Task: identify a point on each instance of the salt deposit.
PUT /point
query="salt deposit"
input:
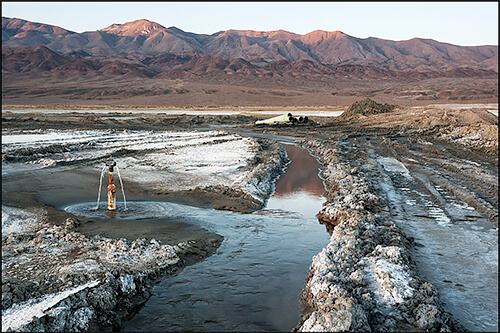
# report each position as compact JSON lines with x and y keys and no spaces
{"x":15,"y":220}
{"x":42,"y":264}
{"x":393,"y":165}
{"x":159,"y":160}
{"x":21,"y":314}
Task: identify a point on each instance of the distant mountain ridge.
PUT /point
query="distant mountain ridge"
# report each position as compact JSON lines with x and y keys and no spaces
{"x":151,"y":49}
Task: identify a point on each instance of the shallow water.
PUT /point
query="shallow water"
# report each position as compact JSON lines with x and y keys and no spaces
{"x":253,"y":281}
{"x":135,"y":210}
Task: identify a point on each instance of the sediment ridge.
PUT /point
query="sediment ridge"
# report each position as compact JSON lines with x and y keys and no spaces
{"x":364,"y":280}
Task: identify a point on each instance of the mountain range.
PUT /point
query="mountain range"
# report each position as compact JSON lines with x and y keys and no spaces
{"x":147,"y":49}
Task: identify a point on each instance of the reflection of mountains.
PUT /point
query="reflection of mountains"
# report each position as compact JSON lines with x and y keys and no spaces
{"x":300,"y":175}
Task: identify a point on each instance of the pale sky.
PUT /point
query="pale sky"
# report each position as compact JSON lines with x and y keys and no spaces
{"x":459,"y":23}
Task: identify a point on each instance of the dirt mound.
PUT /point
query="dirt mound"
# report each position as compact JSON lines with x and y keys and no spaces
{"x":366,"y":107}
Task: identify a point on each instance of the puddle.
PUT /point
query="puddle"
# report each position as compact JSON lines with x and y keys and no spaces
{"x":136,"y":210}
{"x":254,"y":280}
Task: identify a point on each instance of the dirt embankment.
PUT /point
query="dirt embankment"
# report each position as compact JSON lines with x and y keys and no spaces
{"x":457,"y":149}
{"x":364,"y":279}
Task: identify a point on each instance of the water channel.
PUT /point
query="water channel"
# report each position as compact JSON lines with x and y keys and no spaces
{"x":253,"y":281}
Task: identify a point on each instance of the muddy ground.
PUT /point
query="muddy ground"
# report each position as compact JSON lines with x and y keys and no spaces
{"x":452,"y":154}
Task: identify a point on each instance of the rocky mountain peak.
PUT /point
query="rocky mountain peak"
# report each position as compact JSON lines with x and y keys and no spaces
{"x":14,"y":26}
{"x":321,"y":35}
{"x":134,"y":28}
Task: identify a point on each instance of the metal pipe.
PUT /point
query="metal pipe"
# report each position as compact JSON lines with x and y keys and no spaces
{"x":111,"y":187}
{"x":111,"y":193}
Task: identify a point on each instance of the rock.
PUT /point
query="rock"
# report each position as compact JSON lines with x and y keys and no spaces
{"x":80,"y":319}
{"x":71,"y":223}
{"x":427,"y":316}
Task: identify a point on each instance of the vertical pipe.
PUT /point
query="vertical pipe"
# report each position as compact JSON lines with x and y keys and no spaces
{"x":111,"y":192}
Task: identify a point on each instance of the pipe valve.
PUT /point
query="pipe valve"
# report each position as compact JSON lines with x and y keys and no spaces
{"x":110,"y":164}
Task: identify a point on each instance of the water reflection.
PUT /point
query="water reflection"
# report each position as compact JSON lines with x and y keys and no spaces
{"x":299,"y":189}
{"x":301,"y":175}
